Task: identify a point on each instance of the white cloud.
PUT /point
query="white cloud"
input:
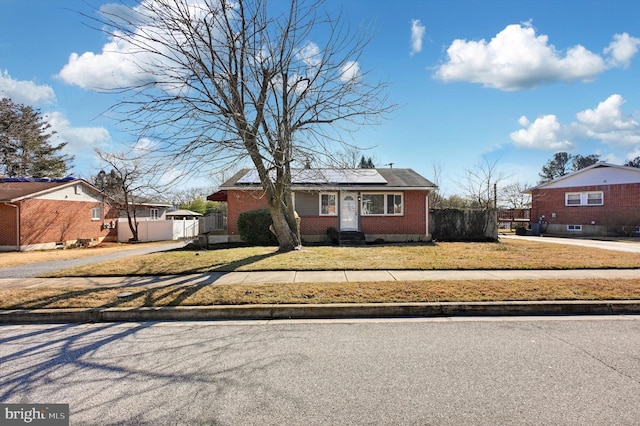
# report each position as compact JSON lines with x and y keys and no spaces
{"x":24,"y":91}
{"x":350,"y":71}
{"x":609,"y":124}
{"x":125,"y":61}
{"x":417,"y":35}
{"x":517,"y":58}
{"x":545,"y":132}
{"x":632,"y":155}
{"x":116,"y":67}
{"x":80,"y":140}
{"x":144,"y":145}
{"x":310,"y":54}
{"x":606,"y":123}
{"x":622,"y":49}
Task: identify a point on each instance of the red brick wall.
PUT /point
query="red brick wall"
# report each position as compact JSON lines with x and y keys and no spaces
{"x":620,"y":203}
{"x":239,"y":202}
{"x":8,"y":230}
{"x":413,"y":221}
{"x":48,"y":221}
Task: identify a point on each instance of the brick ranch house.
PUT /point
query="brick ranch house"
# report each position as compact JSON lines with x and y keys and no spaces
{"x":602,"y":199}
{"x":37,"y":214}
{"x":387,"y":204}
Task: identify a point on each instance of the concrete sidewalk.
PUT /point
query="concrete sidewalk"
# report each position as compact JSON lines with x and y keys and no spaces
{"x":229,"y":278}
{"x":315,"y":311}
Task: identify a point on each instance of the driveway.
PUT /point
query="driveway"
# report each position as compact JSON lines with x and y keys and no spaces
{"x":36,"y":269}
{"x":627,"y":246}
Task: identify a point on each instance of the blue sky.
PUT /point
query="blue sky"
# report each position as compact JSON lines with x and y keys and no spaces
{"x":506,"y":81}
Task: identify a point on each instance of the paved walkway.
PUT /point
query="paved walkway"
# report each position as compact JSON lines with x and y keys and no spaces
{"x":41,"y":268}
{"x":632,"y":246}
{"x":227,"y":278}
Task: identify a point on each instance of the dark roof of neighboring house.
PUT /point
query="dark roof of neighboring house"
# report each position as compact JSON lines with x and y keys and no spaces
{"x":15,"y":189}
{"x":373,"y":179}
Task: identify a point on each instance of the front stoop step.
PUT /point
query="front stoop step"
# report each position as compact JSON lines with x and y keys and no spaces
{"x":352,"y":238}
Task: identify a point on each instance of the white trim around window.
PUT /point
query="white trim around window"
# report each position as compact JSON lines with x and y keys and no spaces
{"x":96,"y":213}
{"x":382,"y":203}
{"x":574,"y":228}
{"x":328,"y":203}
{"x":154,"y":214}
{"x":591,"y":198}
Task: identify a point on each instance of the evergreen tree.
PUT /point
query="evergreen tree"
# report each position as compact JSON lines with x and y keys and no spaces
{"x":562,"y":164}
{"x":580,"y":162}
{"x":556,"y":167}
{"x":633,"y":163}
{"x":25,"y":147}
{"x":367,"y":163}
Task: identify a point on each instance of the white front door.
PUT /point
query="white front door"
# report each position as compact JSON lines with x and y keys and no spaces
{"x":348,"y":211}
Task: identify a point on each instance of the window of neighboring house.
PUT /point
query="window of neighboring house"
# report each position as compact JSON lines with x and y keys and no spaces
{"x":328,"y":203}
{"x":96,"y":213}
{"x":382,"y":204}
{"x":153,"y":214}
{"x":574,"y":227}
{"x":594,"y":198}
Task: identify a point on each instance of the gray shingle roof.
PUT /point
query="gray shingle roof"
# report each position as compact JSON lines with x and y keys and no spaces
{"x":343,"y":178}
{"x":11,"y":191}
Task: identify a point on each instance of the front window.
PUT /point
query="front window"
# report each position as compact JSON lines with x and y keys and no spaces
{"x":382,"y":204}
{"x":328,"y":204}
{"x":153,"y":214}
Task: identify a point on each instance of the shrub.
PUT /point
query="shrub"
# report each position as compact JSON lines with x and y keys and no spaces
{"x":254,"y":228}
{"x":333,"y":235}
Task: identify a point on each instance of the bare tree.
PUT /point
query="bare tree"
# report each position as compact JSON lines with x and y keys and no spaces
{"x":128,"y":182}
{"x":276,"y":83}
{"x":480,"y":183}
{"x":513,"y":195}
{"x":436,"y":199}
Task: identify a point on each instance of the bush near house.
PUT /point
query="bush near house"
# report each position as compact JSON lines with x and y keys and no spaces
{"x":253,"y":227}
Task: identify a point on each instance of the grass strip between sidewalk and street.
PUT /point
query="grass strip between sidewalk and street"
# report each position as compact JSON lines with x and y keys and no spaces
{"x":355,"y":292}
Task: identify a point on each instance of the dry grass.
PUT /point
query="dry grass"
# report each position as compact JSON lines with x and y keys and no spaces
{"x":362,"y":292}
{"x":510,"y":254}
{"x":9,"y":259}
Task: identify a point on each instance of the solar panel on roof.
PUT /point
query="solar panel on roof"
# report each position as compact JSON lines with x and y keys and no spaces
{"x":250,"y":177}
{"x":322,"y":176}
{"x":353,"y":176}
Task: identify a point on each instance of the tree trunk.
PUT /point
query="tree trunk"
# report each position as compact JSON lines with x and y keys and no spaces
{"x":133,"y":226}
{"x":288,"y":236}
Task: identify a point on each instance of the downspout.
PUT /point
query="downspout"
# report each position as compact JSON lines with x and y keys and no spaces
{"x":17,"y":223}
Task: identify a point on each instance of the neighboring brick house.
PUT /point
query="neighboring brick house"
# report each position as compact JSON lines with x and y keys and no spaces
{"x":602,"y":199}
{"x":38,"y":214}
{"x":387,"y":204}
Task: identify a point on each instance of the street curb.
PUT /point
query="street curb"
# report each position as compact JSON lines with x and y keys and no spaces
{"x":321,"y":311}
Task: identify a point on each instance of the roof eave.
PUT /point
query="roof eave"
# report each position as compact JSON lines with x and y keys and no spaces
{"x":336,"y":188}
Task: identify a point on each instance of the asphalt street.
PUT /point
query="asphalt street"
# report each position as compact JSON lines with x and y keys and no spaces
{"x":446,"y":371}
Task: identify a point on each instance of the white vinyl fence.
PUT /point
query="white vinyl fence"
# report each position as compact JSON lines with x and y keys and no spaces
{"x":159,"y":230}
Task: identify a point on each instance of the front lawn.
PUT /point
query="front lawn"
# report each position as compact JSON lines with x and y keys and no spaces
{"x":510,"y":254}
